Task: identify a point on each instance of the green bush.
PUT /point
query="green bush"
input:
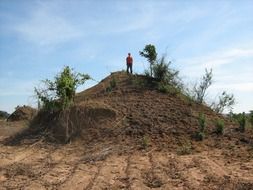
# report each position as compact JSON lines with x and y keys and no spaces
{"x":200,"y":135}
{"x":219,"y":127}
{"x":112,"y":85}
{"x":163,"y":73}
{"x":59,"y":93}
{"x":242,"y":122}
{"x":202,"y":122}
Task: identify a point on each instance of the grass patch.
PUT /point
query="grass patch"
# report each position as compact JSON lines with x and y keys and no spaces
{"x":200,"y":134}
{"x":112,"y":85}
{"x":185,"y":149}
{"x":219,"y":127}
{"x":145,"y":141}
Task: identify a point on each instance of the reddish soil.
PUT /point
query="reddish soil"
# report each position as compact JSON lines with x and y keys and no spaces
{"x":128,"y":136}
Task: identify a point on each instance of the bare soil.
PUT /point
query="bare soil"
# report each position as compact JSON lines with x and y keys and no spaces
{"x":139,"y":139}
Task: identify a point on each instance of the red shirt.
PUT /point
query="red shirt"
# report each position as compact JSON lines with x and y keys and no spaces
{"x":129,"y":60}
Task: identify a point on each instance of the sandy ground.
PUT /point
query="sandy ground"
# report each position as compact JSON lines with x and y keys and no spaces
{"x":40,"y":165}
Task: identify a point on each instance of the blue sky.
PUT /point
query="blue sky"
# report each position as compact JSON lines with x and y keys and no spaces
{"x":39,"y":37}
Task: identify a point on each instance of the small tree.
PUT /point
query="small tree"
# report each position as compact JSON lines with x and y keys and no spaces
{"x":200,"y":135}
{"x":149,"y":52}
{"x":205,"y":83}
{"x":202,"y":122}
{"x":59,"y":94}
{"x":226,"y":101}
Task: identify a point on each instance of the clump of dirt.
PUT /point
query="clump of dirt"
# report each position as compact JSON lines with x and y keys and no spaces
{"x":22,"y":113}
{"x":84,"y":120}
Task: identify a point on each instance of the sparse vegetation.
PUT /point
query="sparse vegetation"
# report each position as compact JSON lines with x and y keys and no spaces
{"x":139,"y":81}
{"x":241,"y":118}
{"x":200,"y":135}
{"x":251,"y":118}
{"x":161,"y":71}
{"x":112,"y":85}
{"x":145,"y":142}
{"x":164,"y":74}
{"x":226,"y":101}
{"x":185,"y":149}
{"x":166,"y":80}
{"x":219,"y":127}
{"x":147,"y":73}
{"x":189,"y":99}
{"x":202,"y":122}
{"x":199,"y":91}
{"x":163,"y":88}
{"x":201,"y":88}
{"x":59,"y":93}
{"x":113,"y":82}
{"x":168,"y":89}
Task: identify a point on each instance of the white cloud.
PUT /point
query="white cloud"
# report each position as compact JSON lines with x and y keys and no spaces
{"x":46,"y":28}
{"x":18,"y":87}
{"x":242,"y":87}
{"x":214,"y":60}
{"x":226,"y":57}
{"x":230,"y":76}
{"x":127,"y":17}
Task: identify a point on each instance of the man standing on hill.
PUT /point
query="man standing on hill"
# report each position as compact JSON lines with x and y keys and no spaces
{"x":129,"y":62}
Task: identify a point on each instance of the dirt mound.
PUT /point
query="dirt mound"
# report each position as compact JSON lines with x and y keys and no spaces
{"x":132,"y":137}
{"x":165,"y":119}
{"x":129,"y":109}
{"x":22,"y":113}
